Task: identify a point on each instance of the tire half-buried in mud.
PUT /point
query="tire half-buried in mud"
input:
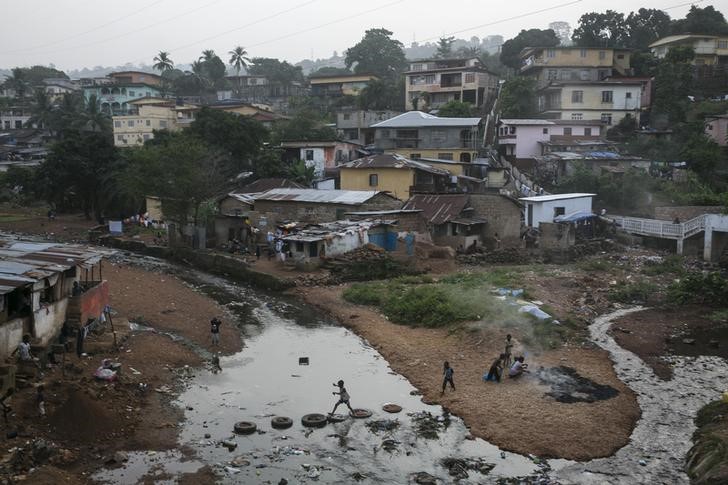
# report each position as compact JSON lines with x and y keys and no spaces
{"x":392,"y":408}
{"x":361,"y":413}
{"x":281,"y":422}
{"x":245,"y":427}
{"x":314,"y":420}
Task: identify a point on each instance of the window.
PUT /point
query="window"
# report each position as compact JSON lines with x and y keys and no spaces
{"x":602,"y":55}
{"x":620,"y":56}
{"x":699,"y":62}
{"x":603,"y":74}
{"x":117,"y":124}
{"x":551,"y":53}
{"x":373,"y":180}
{"x":587,"y":131}
{"x":567,"y":131}
{"x":119,"y":137}
{"x":582,"y":53}
{"x":469,"y":77}
{"x":347,"y":116}
{"x":444,"y":156}
{"x":415,"y":156}
{"x":721,"y":44}
{"x":545,"y":131}
{"x":607,"y":96}
{"x":439,"y":136}
{"x":512,"y":130}
{"x":146,"y":136}
{"x":577,"y":116}
{"x":606,"y":118}
{"x":149,"y":122}
{"x":710,"y":127}
{"x":132,"y":93}
{"x":577,"y":96}
{"x":130,"y":123}
{"x":385,"y":133}
{"x":162,"y":124}
{"x":552,"y":74}
{"x":584,"y":75}
{"x":417,"y":67}
{"x":559,"y":211}
{"x":149,"y":94}
{"x":309,"y":155}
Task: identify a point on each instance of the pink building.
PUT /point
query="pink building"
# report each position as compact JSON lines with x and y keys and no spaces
{"x":716,"y":127}
{"x":526,"y":138}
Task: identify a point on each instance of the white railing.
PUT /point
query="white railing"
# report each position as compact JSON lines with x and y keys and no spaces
{"x":662,"y":229}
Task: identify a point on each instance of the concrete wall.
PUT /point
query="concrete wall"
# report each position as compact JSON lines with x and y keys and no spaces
{"x":556,"y":236}
{"x":440,"y":138}
{"x":503,"y":215}
{"x":527,"y":138}
{"x":717,"y":129}
{"x":544,"y":211}
{"x":91,"y":303}
{"x":279,"y":211}
{"x":229,"y":205}
{"x":716,"y":236}
{"x":48,"y":320}
{"x":11,"y":334}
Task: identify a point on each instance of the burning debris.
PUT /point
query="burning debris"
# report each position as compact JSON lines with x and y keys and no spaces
{"x":567,"y":386}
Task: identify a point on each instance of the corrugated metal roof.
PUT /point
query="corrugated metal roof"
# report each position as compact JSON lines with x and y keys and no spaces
{"x":441,"y":208}
{"x":549,"y":198}
{"x":350,"y":197}
{"x":389,"y":160}
{"x":418,"y":119}
{"x":266,"y":184}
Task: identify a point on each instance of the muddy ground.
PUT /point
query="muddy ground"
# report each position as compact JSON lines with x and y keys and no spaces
{"x":515,"y":415}
{"x":89,"y":420}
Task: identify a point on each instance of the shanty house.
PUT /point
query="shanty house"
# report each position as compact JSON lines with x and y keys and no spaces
{"x":393,"y":173}
{"x":35,"y":290}
{"x":547,"y":208}
{"x":451,"y":219}
{"x":317,"y":206}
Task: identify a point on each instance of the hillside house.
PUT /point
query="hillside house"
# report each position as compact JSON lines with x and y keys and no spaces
{"x":321,"y":155}
{"x":546,"y":208}
{"x":355,"y":125}
{"x":525,"y":138}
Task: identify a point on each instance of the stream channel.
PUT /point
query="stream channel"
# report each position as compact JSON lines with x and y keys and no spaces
{"x":265,"y":380}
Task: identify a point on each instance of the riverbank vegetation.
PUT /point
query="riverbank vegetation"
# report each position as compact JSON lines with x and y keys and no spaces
{"x":707,"y":460}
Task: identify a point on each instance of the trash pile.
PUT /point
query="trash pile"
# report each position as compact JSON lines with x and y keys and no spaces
{"x":530,"y":307}
{"x":383,"y":425}
{"x":505,"y":255}
{"x":428,"y":426}
{"x":458,"y":467}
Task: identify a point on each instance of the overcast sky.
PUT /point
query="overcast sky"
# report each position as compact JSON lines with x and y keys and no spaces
{"x":86,"y":33}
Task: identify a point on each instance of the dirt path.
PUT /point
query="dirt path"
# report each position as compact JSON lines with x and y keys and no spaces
{"x":515,"y":415}
{"x":663,"y":434}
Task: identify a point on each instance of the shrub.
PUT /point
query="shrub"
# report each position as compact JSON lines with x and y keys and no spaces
{"x":709,"y":289}
{"x":636,"y":292}
{"x":672,"y":264}
{"x":365,"y":294}
{"x":422,"y":305}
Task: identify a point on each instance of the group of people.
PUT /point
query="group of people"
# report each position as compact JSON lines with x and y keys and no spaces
{"x":277,"y":246}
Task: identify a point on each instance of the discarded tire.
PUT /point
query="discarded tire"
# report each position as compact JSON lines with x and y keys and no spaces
{"x":314,"y":420}
{"x":245,"y":427}
{"x":281,"y":422}
{"x":392,"y":408}
{"x":361,"y":413}
{"x":337,"y":418}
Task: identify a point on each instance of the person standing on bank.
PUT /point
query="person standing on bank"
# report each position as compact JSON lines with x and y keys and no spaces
{"x":447,"y":372}
{"x":215,"y":330}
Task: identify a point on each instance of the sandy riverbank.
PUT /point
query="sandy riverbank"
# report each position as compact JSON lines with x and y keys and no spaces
{"x":515,"y":415}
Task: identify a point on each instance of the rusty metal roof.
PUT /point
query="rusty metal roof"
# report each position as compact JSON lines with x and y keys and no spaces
{"x":391,"y":160}
{"x":349,"y":197}
{"x":441,"y":208}
{"x":264,"y":185}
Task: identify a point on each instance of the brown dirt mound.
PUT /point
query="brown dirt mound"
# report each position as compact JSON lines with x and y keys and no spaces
{"x":83,"y":417}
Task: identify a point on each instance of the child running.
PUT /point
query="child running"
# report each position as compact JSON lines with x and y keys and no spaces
{"x":343,"y":397}
{"x":447,"y":372}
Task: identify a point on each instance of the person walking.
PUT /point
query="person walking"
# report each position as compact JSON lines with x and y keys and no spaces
{"x":215,"y":330}
{"x":343,"y":397}
{"x":448,"y":373}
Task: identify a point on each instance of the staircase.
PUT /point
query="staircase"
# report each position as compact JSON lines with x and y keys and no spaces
{"x":662,"y":229}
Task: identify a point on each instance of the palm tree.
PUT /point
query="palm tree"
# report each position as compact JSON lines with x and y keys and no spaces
{"x":239,"y":60}
{"x":163,"y":62}
{"x":94,"y":118}
{"x":208,"y":55}
{"x":18,"y":81}
{"x":42,"y":110}
{"x":302,"y":173}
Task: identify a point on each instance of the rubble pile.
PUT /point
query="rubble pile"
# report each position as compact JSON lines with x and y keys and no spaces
{"x":505,"y":255}
{"x":368,"y":252}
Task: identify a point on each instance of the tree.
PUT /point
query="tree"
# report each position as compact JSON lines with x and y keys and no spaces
{"x":511,"y":49}
{"x":162,"y":62}
{"x":93,"y":118}
{"x":702,"y":153}
{"x":673,"y":83}
{"x":455,"y":109}
{"x":518,"y":99}
{"x":469,"y":52}
{"x":42,"y":113}
{"x":444,"y":47}
{"x":382,"y":94}
{"x":330,"y":71}
{"x":277,"y":72}
{"x":302,"y":173}
{"x":239,"y":59}
{"x":378,"y":54}
{"x":646,"y":26}
{"x":18,"y":81}
{"x":706,"y":20}
{"x":239,"y":137}
{"x":607,"y":29}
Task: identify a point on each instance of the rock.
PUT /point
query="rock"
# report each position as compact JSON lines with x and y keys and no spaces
{"x":643,"y":462}
{"x":120,"y":457}
{"x":424,"y":478}
{"x":208,"y":435}
{"x":239,"y":461}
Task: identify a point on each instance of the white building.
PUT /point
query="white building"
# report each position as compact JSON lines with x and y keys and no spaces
{"x":545,"y":208}
{"x":607,"y":101}
{"x":524,"y":138}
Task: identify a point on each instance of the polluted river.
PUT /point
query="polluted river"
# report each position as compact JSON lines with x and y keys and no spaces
{"x":293,"y":355}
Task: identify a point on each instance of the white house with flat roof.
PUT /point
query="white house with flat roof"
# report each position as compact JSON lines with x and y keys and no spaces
{"x":545,"y":208}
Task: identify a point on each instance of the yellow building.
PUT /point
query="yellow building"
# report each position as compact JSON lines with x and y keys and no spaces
{"x":585,"y":64}
{"x":394,"y":174}
{"x":709,"y":49}
{"x":151,"y":114}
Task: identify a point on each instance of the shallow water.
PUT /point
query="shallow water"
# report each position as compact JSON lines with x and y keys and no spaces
{"x":265,"y":379}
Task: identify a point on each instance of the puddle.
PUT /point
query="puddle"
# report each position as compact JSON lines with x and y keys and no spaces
{"x":568,"y":386}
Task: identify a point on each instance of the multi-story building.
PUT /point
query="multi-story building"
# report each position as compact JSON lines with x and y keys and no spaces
{"x":336,"y":86}
{"x":147,"y":115}
{"x":529,"y":138}
{"x":416,"y":135}
{"x":710,"y":50}
{"x":117,"y":91}
{"x":435,"y":82}
{"x":259,"y":89}
{"x":607,"y":101}
{"x":716,"y":127}
{"x":14,"y":117}
{"x":56,"y":89}
{"x":574,"y":64}
{"x":355,"y":125}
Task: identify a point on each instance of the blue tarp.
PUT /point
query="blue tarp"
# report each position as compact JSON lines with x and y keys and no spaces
{"x":575,"y":216}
